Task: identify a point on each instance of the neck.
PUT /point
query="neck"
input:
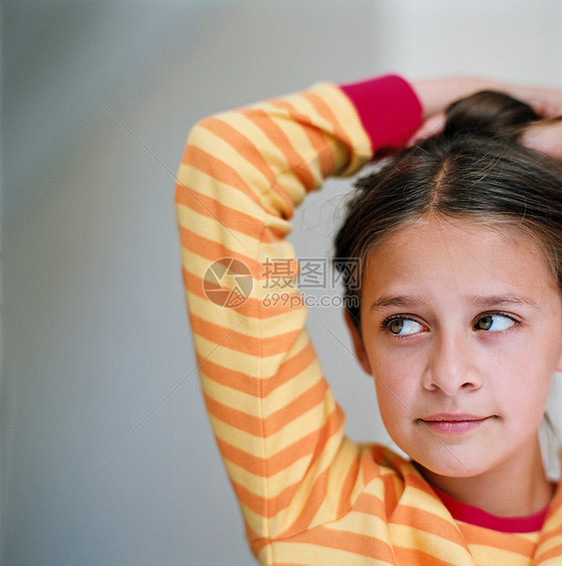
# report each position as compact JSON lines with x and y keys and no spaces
{"x":516,"y":488}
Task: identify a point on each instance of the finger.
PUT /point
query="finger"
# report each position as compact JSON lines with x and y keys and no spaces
{"x":431,"y":127}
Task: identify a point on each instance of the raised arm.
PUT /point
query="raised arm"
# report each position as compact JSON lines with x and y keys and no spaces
{"x":243,"y":172}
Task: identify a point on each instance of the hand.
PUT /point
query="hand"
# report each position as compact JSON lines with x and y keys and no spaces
{"x":437,"y":95}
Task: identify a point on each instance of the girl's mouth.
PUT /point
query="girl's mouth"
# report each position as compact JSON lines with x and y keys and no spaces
{"x":453,"y":423}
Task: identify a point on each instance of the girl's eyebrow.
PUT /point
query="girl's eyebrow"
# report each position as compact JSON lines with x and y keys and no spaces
{"x":501,"y":301}
{"x":479,"y":301}
{"x":396,"y":301}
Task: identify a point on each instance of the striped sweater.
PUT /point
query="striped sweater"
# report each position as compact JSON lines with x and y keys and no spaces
{"x":308,"y":494}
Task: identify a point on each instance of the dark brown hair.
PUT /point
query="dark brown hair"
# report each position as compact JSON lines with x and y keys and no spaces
{"x":475,"y":169}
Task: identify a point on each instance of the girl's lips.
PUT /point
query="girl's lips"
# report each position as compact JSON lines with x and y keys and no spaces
{"x":453,"y":423}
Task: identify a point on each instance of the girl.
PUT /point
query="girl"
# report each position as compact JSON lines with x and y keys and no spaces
{"x":457,"y":316}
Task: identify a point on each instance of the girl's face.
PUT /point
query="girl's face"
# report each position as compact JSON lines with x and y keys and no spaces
{"x":462,"y":330}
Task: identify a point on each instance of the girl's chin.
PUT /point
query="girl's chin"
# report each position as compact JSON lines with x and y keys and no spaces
{"x":450,"y":466}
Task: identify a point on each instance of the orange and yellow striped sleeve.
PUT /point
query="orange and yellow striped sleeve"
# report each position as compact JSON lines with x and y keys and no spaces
{"x":279,"y":430}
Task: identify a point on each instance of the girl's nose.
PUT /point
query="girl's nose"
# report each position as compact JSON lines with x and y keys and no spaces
{"x":450,"y":367}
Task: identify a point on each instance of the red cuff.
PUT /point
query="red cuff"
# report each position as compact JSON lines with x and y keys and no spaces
{"x":388,"y":107}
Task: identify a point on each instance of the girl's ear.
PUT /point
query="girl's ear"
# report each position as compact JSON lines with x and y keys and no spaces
{"x":358,"y":346}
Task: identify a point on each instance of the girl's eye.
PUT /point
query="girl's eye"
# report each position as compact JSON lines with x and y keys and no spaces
{"x":494,"y":323}
{"x":403,"y":326}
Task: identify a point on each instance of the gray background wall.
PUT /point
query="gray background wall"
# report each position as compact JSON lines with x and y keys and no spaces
{"x":106,"y":453}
